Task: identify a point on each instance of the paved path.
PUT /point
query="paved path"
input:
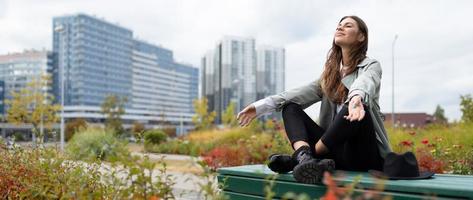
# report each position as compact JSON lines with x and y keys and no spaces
{"x":186,"y":187}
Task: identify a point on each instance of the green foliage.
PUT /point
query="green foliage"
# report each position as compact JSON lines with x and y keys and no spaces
{"x":155,"y":136}
{"x":466,"y":106}
{"x":439,"y":115}
{"x":203,"y":120}
{"x":448,"y":149}
{"x":19,"y":137}
{"x":96,"y":143}
{"x":45,"y":174}
{"x":208,"y":188}
{"x":74,"y":126}
{"x":228,"y":117}
{"x":178,"y":146}
{"x":114,"y":107}
{"x":33,"y":105}
{"x":138,"y":130}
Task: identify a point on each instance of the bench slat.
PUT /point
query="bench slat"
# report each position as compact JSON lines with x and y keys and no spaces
{"x":255,"y":187}
{"x":449,"y":186}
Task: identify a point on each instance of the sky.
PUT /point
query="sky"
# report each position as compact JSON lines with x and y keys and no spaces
{"x":433,"y":55}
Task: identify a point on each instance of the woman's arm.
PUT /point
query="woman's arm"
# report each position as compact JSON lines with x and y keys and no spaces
{"x":364,"y":88}
{"x":304,"y":96}
{"x":367,"y":83}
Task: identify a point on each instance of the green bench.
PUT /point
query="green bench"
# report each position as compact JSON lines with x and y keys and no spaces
{"x":248,"y":182}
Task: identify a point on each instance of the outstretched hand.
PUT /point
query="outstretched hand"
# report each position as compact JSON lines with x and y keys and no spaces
{"x":356,"y":111}
{"x":246,"y":115}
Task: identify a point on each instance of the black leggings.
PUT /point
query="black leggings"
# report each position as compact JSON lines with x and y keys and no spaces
{"x":352,"y":145}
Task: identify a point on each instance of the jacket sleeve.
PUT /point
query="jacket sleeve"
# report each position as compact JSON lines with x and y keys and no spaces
{"x":367,"y":83}
{"x":304,"y":96}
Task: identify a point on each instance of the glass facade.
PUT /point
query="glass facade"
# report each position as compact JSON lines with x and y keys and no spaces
{"x":95,"y":56}
{"x":161,"y":85}
{"x":18,"y":69}
{"x":229,"y":74}
{"x":270,"y":68}
{"x":236,"y":72}
{"x":98,"y":58}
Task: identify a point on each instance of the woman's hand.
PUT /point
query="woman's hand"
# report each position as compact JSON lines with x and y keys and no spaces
{"x":355,"y":109}
{"x":246,"y":115}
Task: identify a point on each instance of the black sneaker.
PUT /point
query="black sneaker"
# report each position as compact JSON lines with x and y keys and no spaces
{"x":312,"y":171}
{"x":281,"y":163}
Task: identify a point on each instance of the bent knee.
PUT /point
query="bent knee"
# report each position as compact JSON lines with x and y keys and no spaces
{"x":291,"y":108}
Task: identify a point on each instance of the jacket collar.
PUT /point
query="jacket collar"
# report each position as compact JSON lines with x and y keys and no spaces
{"x":365,"y":62}
{"x":350,"y":78}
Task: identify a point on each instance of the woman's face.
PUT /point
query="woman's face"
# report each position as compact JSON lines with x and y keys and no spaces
{"x":347,"y":33}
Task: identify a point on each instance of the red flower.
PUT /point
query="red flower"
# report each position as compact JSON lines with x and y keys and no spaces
{"x":407,"y":143}
{"x":425,"y":141}
{"x":412,"y":132}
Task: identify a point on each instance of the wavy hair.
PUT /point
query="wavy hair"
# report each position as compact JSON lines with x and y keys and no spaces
{"x":331,"y":81}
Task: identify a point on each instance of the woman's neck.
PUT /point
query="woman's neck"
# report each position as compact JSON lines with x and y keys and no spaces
{"x":345,"y":56}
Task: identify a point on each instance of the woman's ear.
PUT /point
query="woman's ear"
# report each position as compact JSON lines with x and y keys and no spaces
{"x":361,"y":37}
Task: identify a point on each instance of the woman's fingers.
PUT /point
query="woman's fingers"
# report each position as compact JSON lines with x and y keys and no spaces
{"x":247,"y":120}
{"x":362,"y":115}
{"x":243,"y":119}
{"x":357,"y":113}
{"x":354,"y":115}
{"x":242,"y":113}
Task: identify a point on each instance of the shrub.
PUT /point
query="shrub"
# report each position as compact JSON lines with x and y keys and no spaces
{"x":42,"y":173}
{"x":73,"y":127}
{"x":155,"y":136}
{"x":19,"y":137}
{"x":96,"y":143}
{"x":170,"y":131}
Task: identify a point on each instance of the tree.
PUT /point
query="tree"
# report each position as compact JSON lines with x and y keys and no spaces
{"x":228,"y":117}
{"x":439,"y":115}
{"x":33,"y":105}
{"x":466,"y":106}
{"x":113,"y":107}
{"x":202,"y":118}
{"x":74,"y":126}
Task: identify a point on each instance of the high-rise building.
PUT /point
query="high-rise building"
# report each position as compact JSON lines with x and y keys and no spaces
{"x":270,"y":70}
{"x":95,"y":56}
{"x":98,"y":58}
{"x":229,"y":74}
{"x":162,"y":86}
{"x":235,"y":72}
{"x":18,"y":69}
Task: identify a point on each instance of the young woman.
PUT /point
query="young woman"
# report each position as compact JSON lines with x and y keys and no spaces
{"x":350,"y":133}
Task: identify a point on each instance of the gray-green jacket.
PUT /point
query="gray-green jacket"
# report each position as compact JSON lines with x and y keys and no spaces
{"x":365,"y":82}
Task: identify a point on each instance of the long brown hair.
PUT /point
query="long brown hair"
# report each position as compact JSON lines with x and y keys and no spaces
{"x":331,"y":81}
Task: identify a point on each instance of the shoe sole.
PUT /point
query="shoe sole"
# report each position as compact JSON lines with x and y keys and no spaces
{"x":312,"y":172}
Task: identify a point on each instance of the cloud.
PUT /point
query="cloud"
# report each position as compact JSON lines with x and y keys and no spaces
{"x":433,"y":53}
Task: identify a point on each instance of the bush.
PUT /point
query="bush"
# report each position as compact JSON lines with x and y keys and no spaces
{"x":19,"y":137}
{"x":45,"y":174}
{"x":96,"y":143}
{"x":74,"y":126}
{"x":155,"y":136}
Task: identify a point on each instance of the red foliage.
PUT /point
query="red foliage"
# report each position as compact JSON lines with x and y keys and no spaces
{"x":13,"y":179}
{"x":425,"y":141}
{"x":427,"y":162}
{"x":225,"y":156}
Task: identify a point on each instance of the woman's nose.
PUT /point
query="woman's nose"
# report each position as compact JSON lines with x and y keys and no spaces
{"x":339,"y":28}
